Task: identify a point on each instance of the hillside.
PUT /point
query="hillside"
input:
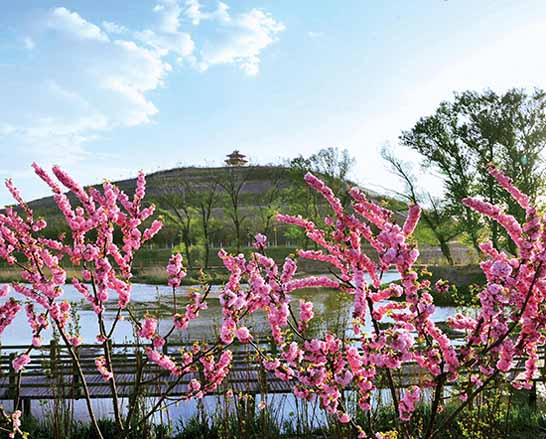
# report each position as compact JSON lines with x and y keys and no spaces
{"x":257,"y":180}
{"x":264,"y":189}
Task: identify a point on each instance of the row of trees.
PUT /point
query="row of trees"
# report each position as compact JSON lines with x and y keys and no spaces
{"x":458,"y":143}
{"x":201,"y":208}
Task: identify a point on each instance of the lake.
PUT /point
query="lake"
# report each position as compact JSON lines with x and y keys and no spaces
{"x":331,"y":308}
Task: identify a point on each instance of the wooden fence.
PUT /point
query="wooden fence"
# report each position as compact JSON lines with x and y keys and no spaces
{"x":52,"y":373}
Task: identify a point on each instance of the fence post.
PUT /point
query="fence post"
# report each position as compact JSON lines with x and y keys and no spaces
{"x":27,"y":405}
{"x":12,"y":392}
{"x":76,"y":390}
{"x":53,"y":351}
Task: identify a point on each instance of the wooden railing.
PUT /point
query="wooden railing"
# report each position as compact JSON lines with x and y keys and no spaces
{"x":52,"y":373}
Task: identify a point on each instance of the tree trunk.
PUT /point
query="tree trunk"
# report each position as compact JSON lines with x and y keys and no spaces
{"x":446,"y":251}
{"x":237,"y":234}
{"x":187,"y":245}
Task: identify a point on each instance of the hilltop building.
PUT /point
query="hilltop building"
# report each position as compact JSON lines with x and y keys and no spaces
{"x":236,"y":159}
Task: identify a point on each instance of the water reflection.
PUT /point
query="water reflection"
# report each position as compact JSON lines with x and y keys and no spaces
{"x":332,"y":310}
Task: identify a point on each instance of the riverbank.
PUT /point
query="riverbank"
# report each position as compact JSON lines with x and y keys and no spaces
{"x":464,"y":279}
{"x":152,"y":276}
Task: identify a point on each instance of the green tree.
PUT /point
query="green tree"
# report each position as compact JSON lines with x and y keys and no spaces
{"x":174,"y":198}
{"x":477,"y":129}
{"x":269,"y":202}
{"x":206,"y":199}
{"x":435,"y":214}
{"x":232,"y":180}
{"x":330,"y":164}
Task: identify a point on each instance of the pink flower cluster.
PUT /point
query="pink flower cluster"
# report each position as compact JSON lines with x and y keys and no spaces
{"x":93,"y":224}
{"x":359,"y":243}
{"x":149,"y":326}
{"x":20,"y":362}
{"x":260,"y":242}
{"x":101,"y":366}
{"x":16,"y":424}
{"x":175,"y":270}
{"x":408,"y":402}
{"x":441,"y":286}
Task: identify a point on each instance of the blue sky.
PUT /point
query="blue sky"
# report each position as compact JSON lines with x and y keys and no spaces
{"x":105,"y":88}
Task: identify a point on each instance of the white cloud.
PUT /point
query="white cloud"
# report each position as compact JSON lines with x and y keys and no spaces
{"x":239,"y":39}
{"x":83,"y":90}
{"x":194,"y":12}
{"x":73,"y":25}
{"x":168,"y":12}
{"x":29,"y":43}
{"x":180,"y":43}
{"x":166,"y":36}
{"x":6,"y":129}
{"x":114,"y":28}
{"x":94,"y":79}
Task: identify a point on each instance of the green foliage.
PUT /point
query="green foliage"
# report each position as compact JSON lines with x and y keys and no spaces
{"x":463,"y":137}
{"x":330,"y":164}
{"x":436,"y":217}
{"x":42,"y":429}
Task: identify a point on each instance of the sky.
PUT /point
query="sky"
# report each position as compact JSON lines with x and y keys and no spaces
{"x":104,"y":88}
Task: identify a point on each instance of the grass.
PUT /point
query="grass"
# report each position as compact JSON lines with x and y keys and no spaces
{"x":491,"y":417}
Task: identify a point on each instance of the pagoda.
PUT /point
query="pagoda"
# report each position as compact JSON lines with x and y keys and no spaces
{"x":236,"y":159}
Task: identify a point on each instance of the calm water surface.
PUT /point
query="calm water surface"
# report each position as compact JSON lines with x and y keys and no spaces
{"x":331,"y":309}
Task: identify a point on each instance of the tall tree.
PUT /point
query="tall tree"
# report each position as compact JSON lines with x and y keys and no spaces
{"x":269,"y":202}
{"x":206,"y":200}
{"x":435,"y":214}
{"x":174,"y":198}
{"x":232,"y":180}
{"x":463,"y":137}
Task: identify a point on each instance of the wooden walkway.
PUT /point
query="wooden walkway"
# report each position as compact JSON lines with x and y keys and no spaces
{"x":52,"y":373}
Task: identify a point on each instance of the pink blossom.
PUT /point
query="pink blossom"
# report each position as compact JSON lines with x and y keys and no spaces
{"x":407,"y":404}
{"x":101,"y":366}
{"x":20,"y":362}
{"x":4,"y":290}
{"x":75,"y":340}
{"x":506,"y":183}
{"x":175,"y":270}
{"x":441,"y":286}
{"x":501,"y":269}
{"x":243,"y":334}
{"x":149,"y":326}
{"x":306,"y":313}
{"x":194,"y":385}
{"x":412,"y":219}
{"x":36,"y":342}
{"x":344,"y":418}
{"x":260,"y":242}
